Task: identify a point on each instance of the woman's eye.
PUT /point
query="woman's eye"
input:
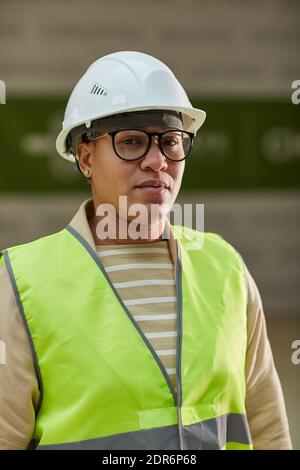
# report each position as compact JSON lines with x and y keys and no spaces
{"x":170,"y":142}
{"x":131,"y":141}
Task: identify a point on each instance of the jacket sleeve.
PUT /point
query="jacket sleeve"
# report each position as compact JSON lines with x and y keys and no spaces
{"x":265,"y":406}
{"x":19,"y":391}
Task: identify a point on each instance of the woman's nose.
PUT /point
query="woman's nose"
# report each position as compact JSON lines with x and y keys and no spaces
{"x":154,"y":157}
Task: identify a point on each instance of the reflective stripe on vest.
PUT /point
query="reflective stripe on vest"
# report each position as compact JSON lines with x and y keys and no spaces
{"x":103,"y":384}
{"x":213,"y":434}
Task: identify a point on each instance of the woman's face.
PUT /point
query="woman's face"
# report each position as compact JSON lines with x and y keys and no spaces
{"x":112,"y":177}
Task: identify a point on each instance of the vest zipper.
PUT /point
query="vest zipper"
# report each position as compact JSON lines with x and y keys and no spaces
{"x":179,"y":342}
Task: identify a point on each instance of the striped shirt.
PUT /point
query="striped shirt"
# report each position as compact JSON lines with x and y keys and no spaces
{"x":143,"y":276}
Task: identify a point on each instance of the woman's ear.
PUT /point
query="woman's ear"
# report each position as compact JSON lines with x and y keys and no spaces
{"x":85,"y":157}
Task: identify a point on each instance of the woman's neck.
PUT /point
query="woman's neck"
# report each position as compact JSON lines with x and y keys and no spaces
{"x":106,"y":231}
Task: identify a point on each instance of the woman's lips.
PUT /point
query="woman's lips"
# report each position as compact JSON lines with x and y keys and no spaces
{"x":153,"y":189}
{"x":153,"y":186}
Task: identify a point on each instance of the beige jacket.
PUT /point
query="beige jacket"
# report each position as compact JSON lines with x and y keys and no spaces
{"x":19,"y":391}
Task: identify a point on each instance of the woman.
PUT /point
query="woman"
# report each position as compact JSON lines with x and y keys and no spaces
{"x":126,"y":338}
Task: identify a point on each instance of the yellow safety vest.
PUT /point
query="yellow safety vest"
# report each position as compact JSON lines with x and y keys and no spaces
{"x":102,"y":384}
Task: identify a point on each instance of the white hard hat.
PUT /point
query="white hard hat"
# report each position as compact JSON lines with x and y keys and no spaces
{"x":121,"y":82}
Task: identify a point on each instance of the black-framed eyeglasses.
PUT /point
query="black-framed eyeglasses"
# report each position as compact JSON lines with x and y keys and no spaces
{"x":133,"y":144}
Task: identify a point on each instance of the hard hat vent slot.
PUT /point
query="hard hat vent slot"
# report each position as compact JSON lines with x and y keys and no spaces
{"x":98,"y":90}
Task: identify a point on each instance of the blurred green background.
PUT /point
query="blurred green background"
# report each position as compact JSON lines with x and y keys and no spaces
{"x":243,"y":145}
